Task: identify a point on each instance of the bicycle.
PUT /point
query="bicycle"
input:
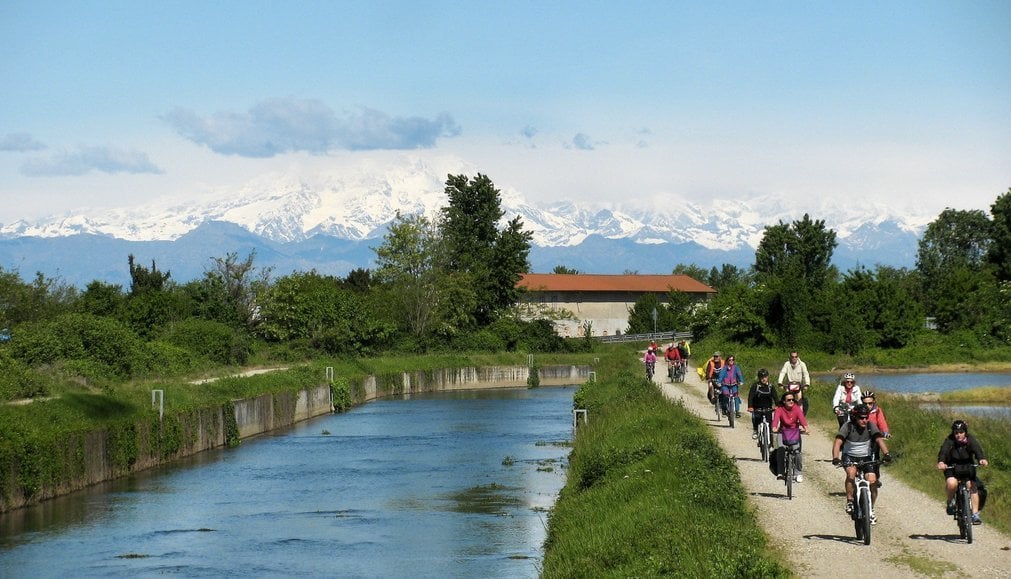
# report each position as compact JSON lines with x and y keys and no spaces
{"x":791,"y":450}
{"x":728,"y":401}
{"x":679,"y":371}
{"x":715,"y":400}
{"x":963,"y":503}
{"x":765,"y":433}
{"x":863,"y":510}
{"x":650,"y":370}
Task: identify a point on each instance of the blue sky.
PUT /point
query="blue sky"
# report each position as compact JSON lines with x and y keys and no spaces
{"x":110,"y":104}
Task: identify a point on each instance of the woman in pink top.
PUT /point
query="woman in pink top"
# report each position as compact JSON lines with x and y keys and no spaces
{"x":788,"y":423}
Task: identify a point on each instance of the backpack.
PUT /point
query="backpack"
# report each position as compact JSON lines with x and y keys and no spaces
{"x":777,"y":460}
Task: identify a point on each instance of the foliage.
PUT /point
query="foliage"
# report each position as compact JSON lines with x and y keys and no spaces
{"x":214,"y":341}
{"x":641,"y":472}
{"x":110,"y":345}
{"x":340,"y":389}
{"x":999,"y":252}
{"x":493,"y":259}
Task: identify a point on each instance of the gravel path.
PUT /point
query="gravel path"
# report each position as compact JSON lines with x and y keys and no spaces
{"x":913,"y":538}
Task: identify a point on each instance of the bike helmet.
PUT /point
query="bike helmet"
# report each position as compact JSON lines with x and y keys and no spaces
{"x":849,"y":376}
{"x":860,"y":411}
{"x":763,"y":373}
{"x":869,"y":394}
{"x":959,"y":426}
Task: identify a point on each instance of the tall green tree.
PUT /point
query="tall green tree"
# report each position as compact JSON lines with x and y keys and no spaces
{"x":793,"y":266}
{"x":999,"y":252}
{"x":494,"y":258}
{"x":409,"y":264}
{"x":950,"y":262}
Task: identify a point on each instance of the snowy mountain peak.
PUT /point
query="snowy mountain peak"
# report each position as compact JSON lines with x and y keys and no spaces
{"x":358,"y":204}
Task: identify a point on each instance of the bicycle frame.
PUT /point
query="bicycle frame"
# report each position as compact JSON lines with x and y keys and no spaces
{"x":729,"y":401}
{"x":963,"y":508}
{"x":765,"y":434}
{"x":863,"y":506}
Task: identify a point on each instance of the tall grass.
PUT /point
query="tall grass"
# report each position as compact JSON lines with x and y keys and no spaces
{"x":649,"y":491}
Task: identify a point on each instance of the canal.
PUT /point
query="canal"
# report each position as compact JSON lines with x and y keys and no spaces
{"x":441,"y":485}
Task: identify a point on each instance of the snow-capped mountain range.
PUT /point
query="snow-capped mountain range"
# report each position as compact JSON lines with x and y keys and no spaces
{"x":358,"y":206}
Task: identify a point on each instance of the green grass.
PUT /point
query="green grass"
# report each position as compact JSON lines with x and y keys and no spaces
{"x":649,"y":492}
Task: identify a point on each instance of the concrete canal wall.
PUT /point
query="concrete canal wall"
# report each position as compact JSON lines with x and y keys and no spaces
{"x":88,"y":458}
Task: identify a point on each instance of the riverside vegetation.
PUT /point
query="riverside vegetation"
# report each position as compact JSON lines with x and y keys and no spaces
{"x":649,"y":491}
{"x":47,"y":439}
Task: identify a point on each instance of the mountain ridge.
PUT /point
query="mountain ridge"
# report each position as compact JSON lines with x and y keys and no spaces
{"x":284,"y":216}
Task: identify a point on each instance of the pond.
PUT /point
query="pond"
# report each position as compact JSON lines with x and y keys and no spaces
{"x":916,"y":383}
{"x":441,"y":485}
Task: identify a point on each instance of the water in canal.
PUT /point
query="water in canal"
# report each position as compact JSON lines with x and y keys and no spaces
{"x":440,"y":485}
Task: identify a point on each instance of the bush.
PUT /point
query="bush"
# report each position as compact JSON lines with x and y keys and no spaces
{"x":18,"y":381}
{"x":103,"y":342}
{"x":208,"y":339}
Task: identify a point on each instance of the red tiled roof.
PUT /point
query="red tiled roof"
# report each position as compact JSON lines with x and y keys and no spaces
{"x":611,"y":283}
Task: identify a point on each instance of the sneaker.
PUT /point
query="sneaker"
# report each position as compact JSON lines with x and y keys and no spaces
{"x":799,"y":478}
{"x":951,"y":507}
{"x":976,"y":520}
{"x":874,"y":519}
{"x":754,"y":436}
{"x":779,"y":477}
{"x":849,"y":507}
{"x":737,"y":414}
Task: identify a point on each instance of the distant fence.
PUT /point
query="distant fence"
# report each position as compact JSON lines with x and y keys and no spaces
{"x":658,"y":336}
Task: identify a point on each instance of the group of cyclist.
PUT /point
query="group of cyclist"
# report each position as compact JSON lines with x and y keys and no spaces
{"x":861,"y":441}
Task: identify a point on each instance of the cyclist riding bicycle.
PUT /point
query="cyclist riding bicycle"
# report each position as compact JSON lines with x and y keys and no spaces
{"x":788,"y":422}
{"x":795,"y":378}
{"x":958,"y":453}
{"x":847,"y":393}
{"x":712,"y":370}
{"x":673,"y":357}
{"x":853,"y":444}
{"x":650,"y":360}
{"x":761,"y":400}
{"x":729,"y":380}
{"x":877,"y":418}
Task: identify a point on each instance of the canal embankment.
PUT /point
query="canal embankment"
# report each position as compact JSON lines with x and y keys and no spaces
{"x":77,"y":459}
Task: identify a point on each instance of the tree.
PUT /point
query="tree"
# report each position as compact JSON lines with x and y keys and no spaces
{"x":144,"y":280}
{"x":999,"y":252}
{"x":793,"y":266}
{"x":474,"y":244}
{"x":408,"y":263}
{"x":950,"y":254}
{"x":241,"y":283}
{"x":565,"y":270}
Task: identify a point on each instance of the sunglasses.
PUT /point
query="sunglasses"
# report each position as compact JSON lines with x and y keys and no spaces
{"x":789,"y":400}
{"x":861,"y":418}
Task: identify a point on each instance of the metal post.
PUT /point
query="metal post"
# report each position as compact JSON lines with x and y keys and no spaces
{"x":329,"y":379}
{"x":576,"y":413}
{"x":161,"y":402}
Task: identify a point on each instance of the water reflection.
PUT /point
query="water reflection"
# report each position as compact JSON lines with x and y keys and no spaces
{"x":451,"y":485}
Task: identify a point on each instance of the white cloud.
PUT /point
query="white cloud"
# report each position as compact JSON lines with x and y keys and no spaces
{"x":278,"y":126}
{"x":20,"y":142}
{"x":87,"y":159}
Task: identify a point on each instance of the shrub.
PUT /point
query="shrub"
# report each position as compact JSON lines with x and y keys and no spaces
{"x":101,"y":341}
{"x":208,"y":339}
{"x":18,"y":381}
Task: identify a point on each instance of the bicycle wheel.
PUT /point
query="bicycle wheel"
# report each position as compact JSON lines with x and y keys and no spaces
{"x":730,"y":410}
{"x":788,"y":475}
{"x":965,"y":498}
{"x":763,"y":440}
{"x":865,"y":515}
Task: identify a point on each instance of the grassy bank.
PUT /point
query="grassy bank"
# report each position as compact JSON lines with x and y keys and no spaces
{"x":649,"y":492}
{"x":46,"y":446}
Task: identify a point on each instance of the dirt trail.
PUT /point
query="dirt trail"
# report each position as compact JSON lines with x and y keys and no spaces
{"x":913,"y":538}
